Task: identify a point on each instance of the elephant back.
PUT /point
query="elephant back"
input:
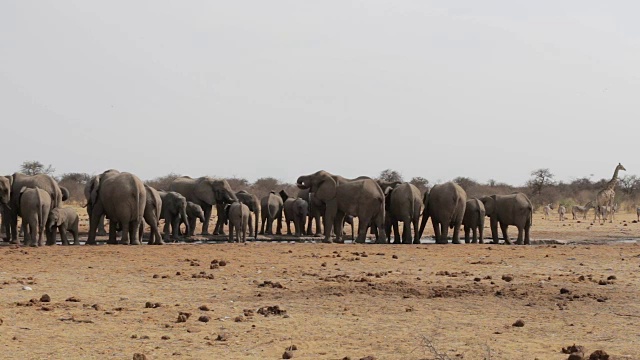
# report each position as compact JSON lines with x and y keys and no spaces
{"x":42,"y":181}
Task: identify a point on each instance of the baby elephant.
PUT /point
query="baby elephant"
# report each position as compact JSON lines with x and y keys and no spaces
{"x":238,"y":217}
{"x":473,"y":220}
{"x":34,"y":209}
{"x":296,"y":210}
{"x":194,"y":212}
{"x":63,"y":219}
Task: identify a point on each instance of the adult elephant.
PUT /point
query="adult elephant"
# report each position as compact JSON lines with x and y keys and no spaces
{"x":514,"y":209}
{"x":41,"y":181}
{"x":445,"y":204}
{"x":253,"y":204}
{"x":206,"y":192}
{"x":122,"y":197}
{"x":174,"y":212}
{"x":361,"y":197}
{"x":404,"y":203}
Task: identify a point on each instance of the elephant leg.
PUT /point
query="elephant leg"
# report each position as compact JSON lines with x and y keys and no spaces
{"x":279,"y":222}
{"x":338,"y":224}
{"x":494,"y":230}
{"x":436,"y":230}
{"x":406,"y":231}
{"x":156,"y":234}
{"x":63,"y":235}
{"x":101,"y":230}
{"x":505,"y":234}
{"x":362,"y":230}
{"x":527,"y":240}
{"x":444,"y":233}
{"x":288,"y":222}
{"x":319,"y":224}
{"x":207,"y":216}
{"x":113,"y":231}
{"x":231,"y":231}
{"x":250,"y":224}
{"x":416,"y":223}
{"x":520,"y":236}
{"x":467,"y":229}
{"x":13,"y":228}
{"x":167,"y":227}
{"x":126,"y":233}
{"x":455,"y":239}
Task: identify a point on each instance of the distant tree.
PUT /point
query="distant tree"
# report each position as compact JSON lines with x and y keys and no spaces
{"x":79,"y":178}
{"x":465,"y":182}
{"x":492,"y":182}
{"x":420,"y":182}
{"x":390,"y":175}
{"x":263,"y":186}
{"x":238,"y":184}
{"x":629,"y":184}
{"x":541,"y":178}
{"x":75,"y":183}
{"x":36,"y":167}
{"x":162,"y":182}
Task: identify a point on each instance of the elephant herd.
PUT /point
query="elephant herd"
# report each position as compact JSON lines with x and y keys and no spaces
{"x":329,"y":200}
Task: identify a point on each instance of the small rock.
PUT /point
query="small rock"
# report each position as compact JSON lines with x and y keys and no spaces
{"x":182,"y":318}
{"x":518,"y":323}
{"x":222,"y":263}
{"x":222,"y":337}
{"x":576,"y":356}
{"x":292,"y":348}
{"x":73,"y":299}
{"x":565,"y":291}
{"x":368,"y":358}
{"x":165,"y":337}
{"x":573,"y":349}
{"x":204,"y":308}
{"x":599,"y":355}
{"x":287,"y":355}
{"x":394,"y":256}
{"x":239,"y":318}
{"x":204,"y":318}
{"x":138,"y":356}
{"x":97,"y":307}
{"x":507,"y":278}
{"x":155,"y":276}
{"x":477,"y":279}
{"x":612,"y":277}
{"x":26,"y":288}
{"x":45,"y":298}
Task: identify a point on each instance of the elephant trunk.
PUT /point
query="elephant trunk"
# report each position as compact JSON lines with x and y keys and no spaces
{"x":255,"y":228}
{"x":302,"y":183}
{"x":185,"y":220}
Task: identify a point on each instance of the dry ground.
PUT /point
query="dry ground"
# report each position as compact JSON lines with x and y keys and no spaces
{"x":340,"y":300}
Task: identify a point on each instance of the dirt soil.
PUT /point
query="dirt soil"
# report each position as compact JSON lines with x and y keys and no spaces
{"x":254,"y":301}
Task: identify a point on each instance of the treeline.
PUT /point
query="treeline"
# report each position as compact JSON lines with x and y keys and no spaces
{"x":541,"y":188}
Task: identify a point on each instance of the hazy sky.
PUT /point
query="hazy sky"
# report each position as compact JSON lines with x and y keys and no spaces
{"x":439,"y":89}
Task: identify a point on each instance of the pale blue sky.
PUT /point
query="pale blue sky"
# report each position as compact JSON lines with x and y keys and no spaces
{"x":439,"y":89}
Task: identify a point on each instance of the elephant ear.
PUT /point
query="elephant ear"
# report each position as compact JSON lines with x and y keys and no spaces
{"x":325,"y":189}
{"x":95,"y":186}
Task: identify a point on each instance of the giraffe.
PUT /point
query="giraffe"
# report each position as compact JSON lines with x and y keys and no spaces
{"x":605,"y":196}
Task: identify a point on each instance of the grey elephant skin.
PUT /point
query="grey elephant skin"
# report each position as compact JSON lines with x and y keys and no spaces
{"x":41,"y":181}
{"x":316,"y":211}
{"x":514,"y":209}
{"x":253,"y":204}
{"x":194,"y":212}
{"x":206,"y":192}
{"x":473,"y":221}
{"x":63,"y":220}
{"x":296,"y":210}
{"x":65,"y":193}
{"x":271,"y":206}
{"x":238,"y":217}
{"x":445,"y":205}
{"x":87,"y":195}
{"x":122,"y":197}
{"x":5,"y":191}
{"x":404,"y":203}
{"x":174,"y":212}
{"x":35,"y":205}
{"x":361,"y":197}
{"x":152,"y":211}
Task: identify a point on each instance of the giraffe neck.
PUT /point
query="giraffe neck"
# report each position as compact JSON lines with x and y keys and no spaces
{"x":614,"y":180}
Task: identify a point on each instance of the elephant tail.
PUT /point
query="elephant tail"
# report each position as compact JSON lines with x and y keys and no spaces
{"x":425,"y":215}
